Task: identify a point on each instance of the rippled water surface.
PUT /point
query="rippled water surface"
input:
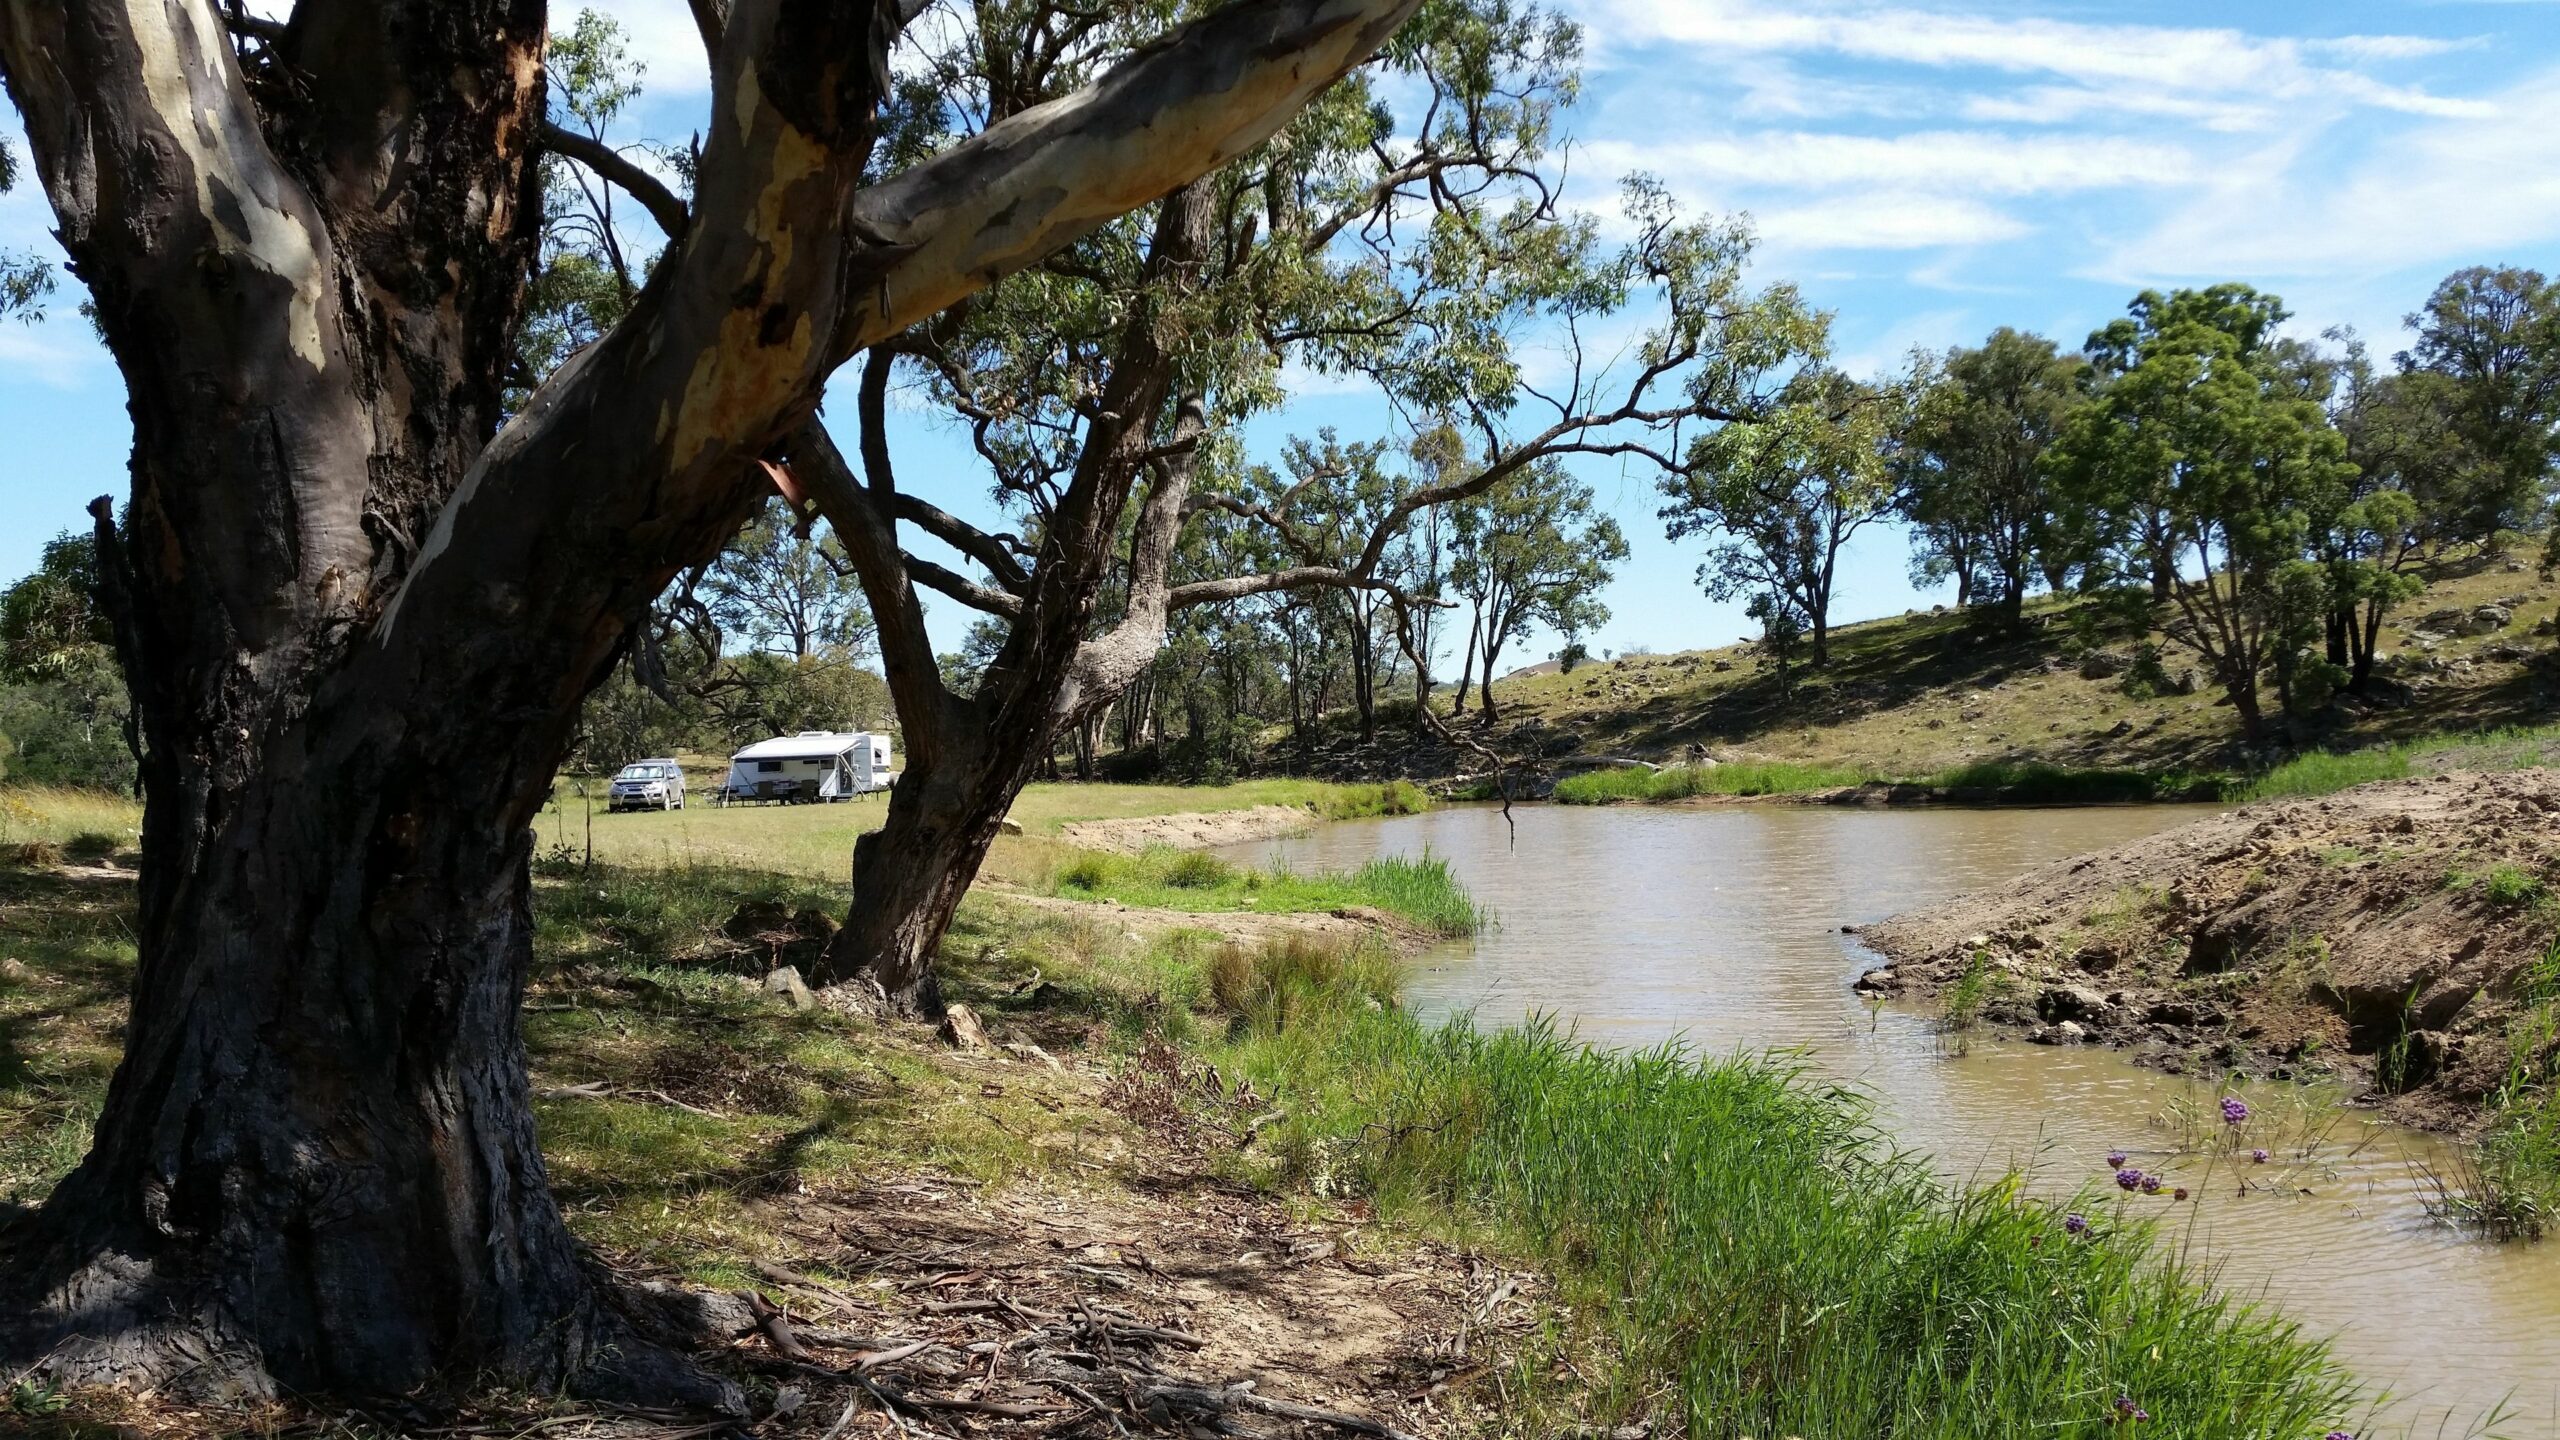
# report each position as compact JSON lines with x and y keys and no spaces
{"x":1723,"y":926}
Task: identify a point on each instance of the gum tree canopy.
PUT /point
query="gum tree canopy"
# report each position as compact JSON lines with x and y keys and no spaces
{"x":359,"y":602}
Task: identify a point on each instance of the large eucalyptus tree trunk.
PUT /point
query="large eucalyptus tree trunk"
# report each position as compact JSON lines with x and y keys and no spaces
{"x":359,"y":615}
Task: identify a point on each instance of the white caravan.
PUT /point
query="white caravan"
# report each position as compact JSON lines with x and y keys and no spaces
{"x":810,"y":767}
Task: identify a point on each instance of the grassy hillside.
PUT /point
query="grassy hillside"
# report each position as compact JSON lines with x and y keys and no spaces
{"x":1931,"y":692}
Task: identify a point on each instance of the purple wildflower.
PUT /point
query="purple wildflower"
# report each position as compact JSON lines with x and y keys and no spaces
{"x":2140,"y":1414}
{"x":2261,"y":1157}
{"x":2150,"y":1184}
{"x":2075,"y":1224}
{"x":2115,"y":1159}
{"x":2128,"y":1179}
{"x":2339,"y":1435}
{"x":2234,"y":1110}
{"x":2125,"y":1405}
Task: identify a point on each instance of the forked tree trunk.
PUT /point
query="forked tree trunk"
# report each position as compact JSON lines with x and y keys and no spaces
{"x":910,"y":874}
{"x":360,"y":615}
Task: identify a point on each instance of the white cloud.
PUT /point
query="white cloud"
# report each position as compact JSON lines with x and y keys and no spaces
{"x":2186,"y":60}
{"x":49,"y":352}
{"x":2072,"y":104}
{"x":2449,"y":191}
{"x":1909,"y":220}
{"x":1977,"y":162}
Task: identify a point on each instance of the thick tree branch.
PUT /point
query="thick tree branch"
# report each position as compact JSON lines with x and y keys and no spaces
{"x":961,"y":588}
{"x":1031,"y":183}
{"x":620,"y":169}
{"x":988,"y":550}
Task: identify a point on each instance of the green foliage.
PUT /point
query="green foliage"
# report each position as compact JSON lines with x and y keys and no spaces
{"x":1973,"y":480}
{"x":1745,"y":1248}
{"x":1960,"y":1008}
{"x":2512,"y":886}
{"x":63,"y":707}
{"x":1788,"y":490}
{"x":779,"y":588}
{"x":2516,"y":1184}
{"x":2488,"y":343}
{"x":1677,"y":782}
{"x":1423,"y":891}
{"x":26,"y":278}
{"x":2321,"y":772}
{"x":1532,"y":551}
{"x":2206,"y":444}
{"x":1363,"y":802}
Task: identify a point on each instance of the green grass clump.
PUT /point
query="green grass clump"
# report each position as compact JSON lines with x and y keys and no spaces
{"x":1365,"y":802}
{"x":2513,"y":1182}
{"x":2511,"y":886}
{"x":62,"y":815}
{"x":1161,"y":877}
{"x":1742,"y":1246}
{"x":1679,"y":782}
{"x":2038,"y":783}
{"x":1960,"y":1009}
{"x":2323,"y":772}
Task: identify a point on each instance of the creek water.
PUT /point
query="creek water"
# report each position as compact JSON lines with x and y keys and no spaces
{"x":1722,"y":927}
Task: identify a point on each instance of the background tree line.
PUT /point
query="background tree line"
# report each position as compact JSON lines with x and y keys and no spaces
{"x":2264,"y":499}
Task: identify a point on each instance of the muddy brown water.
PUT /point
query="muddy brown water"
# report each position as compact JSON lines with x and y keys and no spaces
{"x":1723,"y":927}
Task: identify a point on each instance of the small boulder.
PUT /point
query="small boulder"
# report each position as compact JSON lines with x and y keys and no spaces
{"x":786,"y":985}
{"x":2487,"y":620}
{"x":1881,"y":978}
{"x":961,"y":1030}
{"x":13,"y":969}
{"x":2104,"y":665}
{"x":1008,"y":826}
{"x":2070,"y":1002}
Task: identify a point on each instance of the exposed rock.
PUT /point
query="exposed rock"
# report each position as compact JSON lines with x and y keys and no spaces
{"x":961,"y":1030}
{"x":2104,"y":664}
{"x":786,"y":985}
{"x":1881,"y":978}
{"x":13,"y":969}
{"x":2487,"y":620}
{"x":2071,"y":1002}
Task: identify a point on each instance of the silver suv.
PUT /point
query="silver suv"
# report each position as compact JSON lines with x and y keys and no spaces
{"x":647,"y":785}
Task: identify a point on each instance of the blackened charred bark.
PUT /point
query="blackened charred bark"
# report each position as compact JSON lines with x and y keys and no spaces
{"x":316,"y":1169}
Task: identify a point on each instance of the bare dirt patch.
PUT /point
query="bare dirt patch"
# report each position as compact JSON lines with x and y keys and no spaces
{"x":1130,"y":834}
{"x":2381,"y":932}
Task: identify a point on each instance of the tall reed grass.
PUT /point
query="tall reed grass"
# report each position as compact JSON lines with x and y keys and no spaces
{"x":1420,"y":891}
{"x":1758,"y":1262}
{"x":2324,"y":772}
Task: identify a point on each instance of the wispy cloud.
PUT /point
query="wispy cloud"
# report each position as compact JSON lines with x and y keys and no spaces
{"x":1977,"y":162}
{"x":2173,"y":59}
{"x":2443,"y":191}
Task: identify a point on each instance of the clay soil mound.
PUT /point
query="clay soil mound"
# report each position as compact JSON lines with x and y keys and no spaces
{"x":2383,"y":932}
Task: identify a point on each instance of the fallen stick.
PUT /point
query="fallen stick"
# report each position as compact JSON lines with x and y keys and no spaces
{"x":776,"y":1329}
{"x":1203,"y":1400}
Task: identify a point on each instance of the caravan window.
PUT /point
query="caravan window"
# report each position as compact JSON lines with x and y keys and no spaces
{"x":768,"y":767}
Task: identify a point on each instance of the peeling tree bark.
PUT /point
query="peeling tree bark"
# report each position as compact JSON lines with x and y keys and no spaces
{"x":362,"y":614}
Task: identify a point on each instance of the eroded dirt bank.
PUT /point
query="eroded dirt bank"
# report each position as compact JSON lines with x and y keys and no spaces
{"x":2383,"y":933}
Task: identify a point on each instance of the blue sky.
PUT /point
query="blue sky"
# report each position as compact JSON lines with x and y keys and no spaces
{"x":1925,"y":171}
